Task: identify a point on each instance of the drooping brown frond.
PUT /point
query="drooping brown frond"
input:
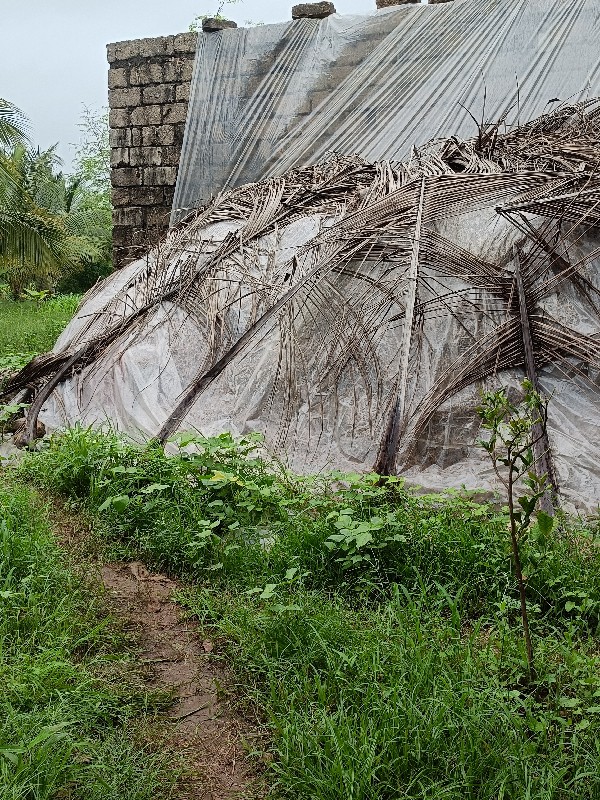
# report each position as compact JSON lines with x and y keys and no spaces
{"x":338,"y":307}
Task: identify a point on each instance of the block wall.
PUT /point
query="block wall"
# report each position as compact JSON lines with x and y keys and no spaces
{"x":149,"y":85}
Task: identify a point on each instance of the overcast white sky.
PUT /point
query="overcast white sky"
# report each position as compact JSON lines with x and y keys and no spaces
{"x":53,"y":52}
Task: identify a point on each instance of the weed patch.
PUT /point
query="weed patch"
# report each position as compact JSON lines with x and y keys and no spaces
{"x":28,"y":328}
{"x":62,"y":727}
{"x":375,"y":629}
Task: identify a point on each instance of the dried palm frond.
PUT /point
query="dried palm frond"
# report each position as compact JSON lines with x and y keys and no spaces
{"x":409,"y":284}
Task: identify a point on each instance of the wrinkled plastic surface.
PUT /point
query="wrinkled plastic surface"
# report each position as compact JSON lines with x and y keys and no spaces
{"x":273,"y":97}
{"x":299,"y":386}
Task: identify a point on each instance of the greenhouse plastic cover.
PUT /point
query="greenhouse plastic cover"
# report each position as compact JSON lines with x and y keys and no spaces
{"x":138,"y":380}
{"x":247,"y":121}
{"x":268,"y":98}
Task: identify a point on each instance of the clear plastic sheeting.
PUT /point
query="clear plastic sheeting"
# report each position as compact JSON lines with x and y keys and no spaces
{"x":352,"y":312}
{"x":273,"y":97}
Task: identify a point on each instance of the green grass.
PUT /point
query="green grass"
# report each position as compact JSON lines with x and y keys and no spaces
{"x":28,"y":328}
{"x":64,"y":731}
{"x":376,"y":631}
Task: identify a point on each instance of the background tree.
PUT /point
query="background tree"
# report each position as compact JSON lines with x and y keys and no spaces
{"x":89,"y":199}
{"x":30,"y":239}
{"x":52,"y":226}
{"x":13,"y":125}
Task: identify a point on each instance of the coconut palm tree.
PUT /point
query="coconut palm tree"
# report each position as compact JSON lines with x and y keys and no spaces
{"x":30,"y":240}
{"x":47,"y":226}
{"x":13,"y":125}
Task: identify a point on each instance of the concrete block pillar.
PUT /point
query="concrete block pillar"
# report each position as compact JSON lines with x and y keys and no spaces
{"x":148,"y":90}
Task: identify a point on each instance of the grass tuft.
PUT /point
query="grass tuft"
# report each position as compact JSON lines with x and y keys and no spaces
{"x":376,"y":630}
{"x":28,"y":328}
{"x":64,"y":731}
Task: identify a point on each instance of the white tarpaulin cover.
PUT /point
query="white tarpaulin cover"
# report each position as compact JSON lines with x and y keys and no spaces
{"x":337,"y":306}
{"x":320,"y":307}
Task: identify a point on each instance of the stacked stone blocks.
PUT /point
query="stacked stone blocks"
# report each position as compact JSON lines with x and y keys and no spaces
{"x":149,"y":85}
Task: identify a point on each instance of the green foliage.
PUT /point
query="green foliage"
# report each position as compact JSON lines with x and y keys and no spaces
{"x":13,"y":125}
{"x":63,"y":730}
{"x":512,"y":437}
{"x":13,"y":362}
{"x":9,"y":411}
{"x":34,"y":244}
{"x":50,"y":225}
{"x":372,"y":626}
{"x":218,"y":509}
{"x":13,"y":132}
{"x":92,"y":161}
{"x":407,"y":699}
{"x":32,"y":327}
{"x":516,"y":431}
{"x":91,"y":180}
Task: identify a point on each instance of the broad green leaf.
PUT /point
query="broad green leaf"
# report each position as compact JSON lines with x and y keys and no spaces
{"x":569,"y":702}
{"x":527,"y":503}
{"x":154,"y":487}
{"x":120,"y":502}
{"x":363,"y":538}
{"x":545,"y":522}
{"x":184,"y":439}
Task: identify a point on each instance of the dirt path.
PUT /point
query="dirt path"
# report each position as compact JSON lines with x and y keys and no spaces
{"x":201,"y":725}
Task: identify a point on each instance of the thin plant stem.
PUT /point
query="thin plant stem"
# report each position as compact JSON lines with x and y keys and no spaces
{"x":519,"y":571}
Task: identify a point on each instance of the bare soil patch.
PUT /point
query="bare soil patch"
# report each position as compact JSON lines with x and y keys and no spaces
{"x":201,"y":726}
